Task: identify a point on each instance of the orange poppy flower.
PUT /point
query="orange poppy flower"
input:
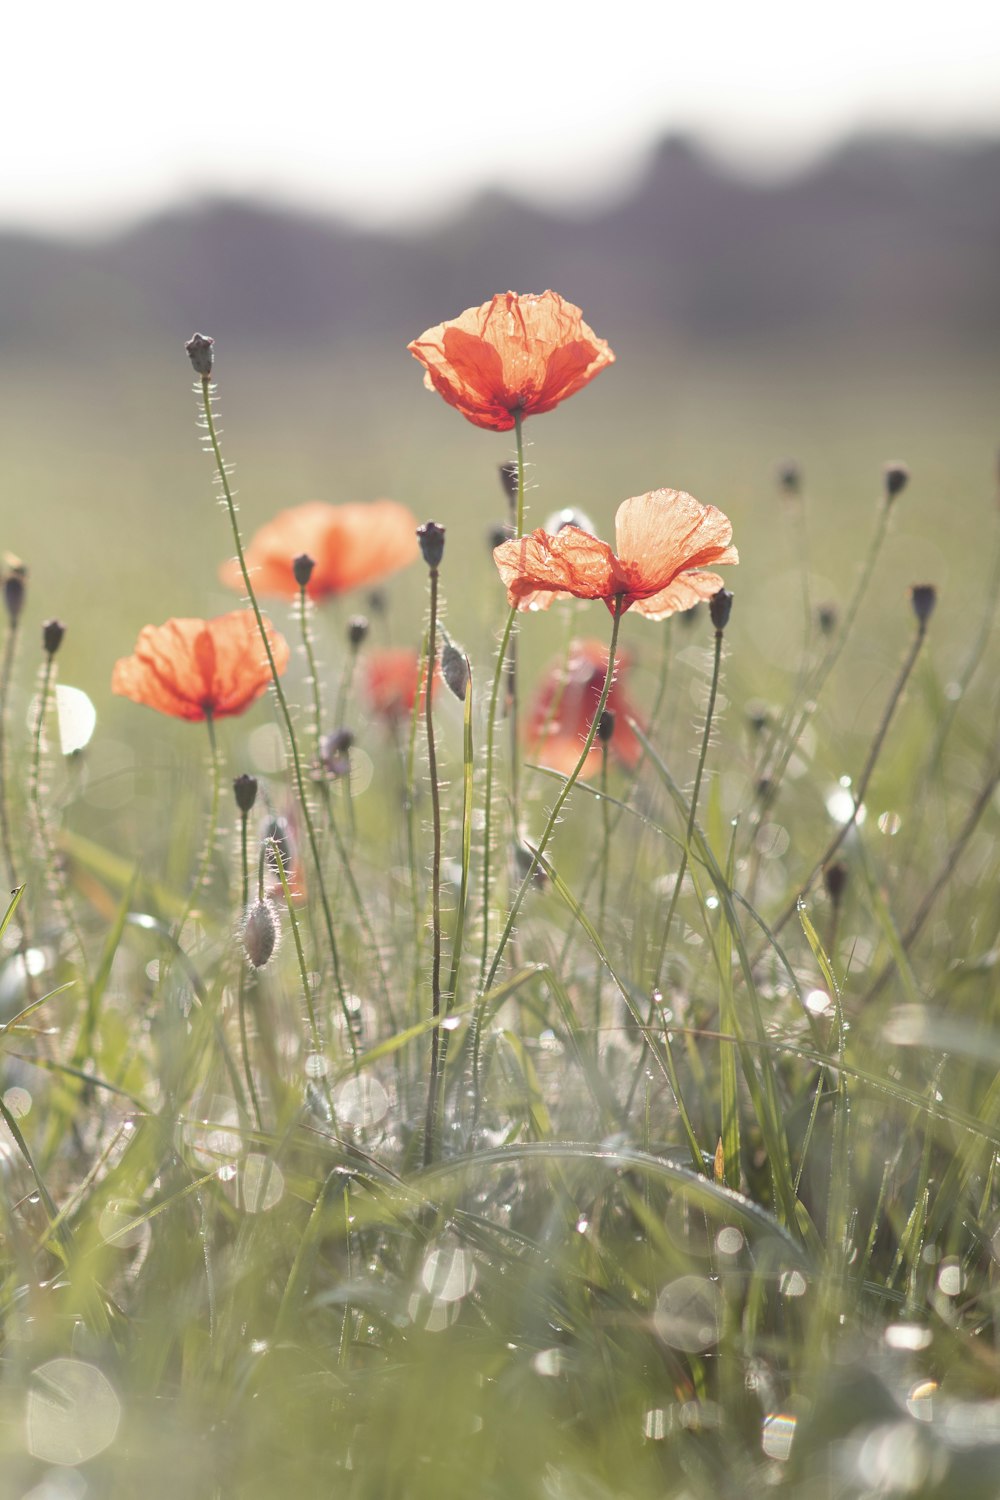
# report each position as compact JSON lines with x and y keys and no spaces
{"x":564,"y":707}
{"x":350,"y":545}
{"x":663,"y":538}
{"x":392,"y":681}
{"x":196,"y":669}
{"x":514,"y":354}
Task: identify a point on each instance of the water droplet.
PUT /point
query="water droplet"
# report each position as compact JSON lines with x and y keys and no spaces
{"x":72,"y":1412}
{"x":449,"y":1275}
{"x":907,"y":1336}
{"x":890,"y":823}
{"x":950,"y":1280}
{"x":792,"y":1284}
{"x":818,"y":1003}
{"x":451,"y":1023}
{"x":777,"y":1435}
{"x":317,"y":1065}
{"x":712,"y":902}
{"x":582,"y":1224}
{"x":689,"y":1313}
{"x":729,"y":1241}
{"x":654,"y":1424}
{"x":840,"y":806}
{"x":362,"y":1101}
{"x":548,"y":1362}
{"x":18,"y":1101}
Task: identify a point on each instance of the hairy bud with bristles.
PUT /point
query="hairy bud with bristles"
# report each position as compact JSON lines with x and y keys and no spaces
{"x":260,"y":933}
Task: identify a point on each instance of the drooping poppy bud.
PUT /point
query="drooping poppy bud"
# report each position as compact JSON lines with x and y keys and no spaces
{"x":260,"y":933}
{"x":835,"y":881}
{"x":455,"y":669}
{"x":357,"y":630}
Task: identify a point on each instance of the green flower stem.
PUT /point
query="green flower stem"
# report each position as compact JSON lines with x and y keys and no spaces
{"x":560,"y":801}
{"x":6,"y":674}
{"x":434,"y":1083}
{"x":53,"y":868}
{"x":300,"y":785}
{"x":208,"y":849}
{"x":491,"y":722}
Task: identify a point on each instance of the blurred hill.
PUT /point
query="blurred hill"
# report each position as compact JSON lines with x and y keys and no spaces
{"x":886,"y":242}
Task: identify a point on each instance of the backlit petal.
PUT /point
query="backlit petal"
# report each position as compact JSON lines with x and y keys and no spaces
{"x":570,"y":562}
{"x":684,"y":593}
{"x":665,"y":532}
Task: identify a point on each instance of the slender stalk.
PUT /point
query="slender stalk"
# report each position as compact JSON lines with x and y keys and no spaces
{"x":602,"y":896}
{"x":434,"y":1083}
{"x":513,"y":714}
{"x":491,"y":723}
{"x":861,"y":786}
{"x":315,"y":1035}
{"x":300,"y":785}
{"x":6,"y":674}
{"x":208,"y":848}
{"x":560,"y":801}
{"x":57,"y":884}
{"x":241,"y":999}
{"x":682,"y":867}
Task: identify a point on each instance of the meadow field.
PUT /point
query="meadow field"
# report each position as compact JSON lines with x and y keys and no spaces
{"x":593,"y":1131}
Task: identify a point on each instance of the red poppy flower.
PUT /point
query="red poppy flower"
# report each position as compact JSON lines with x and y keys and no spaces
{"x":196,"y":669}
{"x":564,"y":707}
{"x":349,"y":544}
{"x":392,"y":681}
{"x":664,"y":539}
{"x":514,"y":354}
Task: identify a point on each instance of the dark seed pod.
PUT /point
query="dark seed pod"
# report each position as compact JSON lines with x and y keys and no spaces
{"x":357,"y":630}
{"x":720,"y":607}
{"x":14,"y":589}
{"x":835,"y":881}
{"x":245,"y":791}
{"x":431,"y":538}
{"x":789,"y":477}
{"x":53,"y":632}
{"x":302,"y":569}
{"x":923,"y":597}
{"x":606,"y":727}
{"x":895,"y":478}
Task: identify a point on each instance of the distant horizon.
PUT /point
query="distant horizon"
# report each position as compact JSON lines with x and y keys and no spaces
{"x":580,"y":197}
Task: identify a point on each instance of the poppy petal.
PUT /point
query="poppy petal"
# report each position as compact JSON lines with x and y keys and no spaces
{"x":570,"y":562}
{"x":665,"y":532}
{"x":350,"y":544}
{"x":684,"y":593}
{"x":191,"y":669}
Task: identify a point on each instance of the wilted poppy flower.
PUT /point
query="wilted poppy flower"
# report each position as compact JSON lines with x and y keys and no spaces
{"x":515,"y":354}
{"x":349,"y":544}
{"x":564,"y":707}
{"x":392,"y":681}
{"x":197,"y":669}
{"x":663,"y":538}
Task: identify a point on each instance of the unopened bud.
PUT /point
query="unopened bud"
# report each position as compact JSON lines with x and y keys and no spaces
{"x":14,"y":588}
{"x":720,"y":607}
{"x":835,"y":881}
{"x":790,"y":477}
{"x":199,"y":350}
{"x":357,"y":630}
{"x":302,"y":569}
{"x":376,"y":602}
{"x":52,"y":636}
{"x":245,"y":792}
{"x":335,"y":752}
{"x":895,"y":478}
{"x":431,"y":538}
{"x":606,"y":727}
{"x":260,"y":933}
{"x":923,"y":597}
{"x":455,"y":669}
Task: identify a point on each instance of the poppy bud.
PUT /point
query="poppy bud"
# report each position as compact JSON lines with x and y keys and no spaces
{"x":376,"y":602}
{"x":720,"y":607}
{"x":508,"y":479}
{"x":302,"y":569}
{"x":199,"y":350}
{"x":52,"y":636}
{"x":335,"y":752}
{"x":758,"y":717}
{"x":606,"y":727}
{"x":790,"y":477}
{"x":260,"y":933}
{"x":455,"y":669}
{"x":431,"y":538}
{"x":923,"y":597}
{"x":895,"y":478}
{"x":245,"y":792}
{"x":835,"y":881}
{"x":357,"y":630}
{"x":499,"y":533}
{"x":826,"y":619}
{"x":14,"y":590}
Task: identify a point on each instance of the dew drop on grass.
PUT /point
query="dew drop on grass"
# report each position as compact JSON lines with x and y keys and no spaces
{"x":792,"y":1284}
{"x":118,"y":1227}
{"x":448,"y":1274}
{"x":688,"y":1314}
{"x":950,"y":1280}
{"x":818,"y":1003}
{"x":840,"y":804}
{"x":316,"y":1065}
{"x":654,"y":1424}
{"x":889,"y":823}
{"x":362,"y":1101}
{"x":712,"y":902}
{"x":72,"y":1412}
{"x":548,"y":1362}
{"x":582,"y":1224}
{"x":18,"y":1101}
{"x":729,"y":1241}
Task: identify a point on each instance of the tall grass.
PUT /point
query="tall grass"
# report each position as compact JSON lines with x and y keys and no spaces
{"x":669,"y":1172}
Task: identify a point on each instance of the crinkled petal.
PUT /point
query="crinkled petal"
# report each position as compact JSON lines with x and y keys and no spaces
{"x":570,"y":562}
{"x":192,"y":668}
{"x":350,"y":544}
{"x":666,"y":532}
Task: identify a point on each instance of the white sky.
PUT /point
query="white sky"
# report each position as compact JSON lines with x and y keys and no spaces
{"x":109,"y":110}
